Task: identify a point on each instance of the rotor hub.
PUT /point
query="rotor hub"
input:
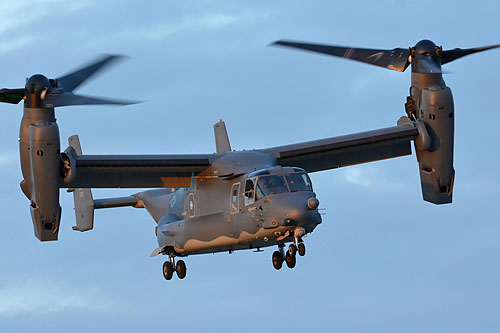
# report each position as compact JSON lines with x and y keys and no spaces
{"x":35,"y":89}
{"x":426,"y":57}
{"x":426,"y":47}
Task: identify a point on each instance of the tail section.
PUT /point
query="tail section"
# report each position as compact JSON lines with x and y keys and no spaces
{"x":221,"y":138}
{"x":84,"y":202}
{"x":84,"y":205}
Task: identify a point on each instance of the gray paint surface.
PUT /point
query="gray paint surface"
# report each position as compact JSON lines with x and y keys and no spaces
{"x":366,"y":270}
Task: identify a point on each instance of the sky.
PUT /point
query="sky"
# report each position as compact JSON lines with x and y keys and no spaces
{"x":383,"y":260}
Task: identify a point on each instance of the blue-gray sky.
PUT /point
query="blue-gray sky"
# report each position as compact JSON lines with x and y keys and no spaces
{"x":382,"y":261}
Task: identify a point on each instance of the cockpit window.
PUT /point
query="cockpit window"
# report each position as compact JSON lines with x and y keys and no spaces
{"x":259,"y":173}
{"x":272,"y":184}
{"x":298,"y":182}
{"x":263,"y":183}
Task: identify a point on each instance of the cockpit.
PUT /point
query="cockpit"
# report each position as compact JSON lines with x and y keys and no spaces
{"x":275,"y":180}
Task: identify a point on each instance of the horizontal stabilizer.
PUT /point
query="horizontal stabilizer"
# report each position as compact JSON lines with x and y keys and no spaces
{"x":115,"y":202}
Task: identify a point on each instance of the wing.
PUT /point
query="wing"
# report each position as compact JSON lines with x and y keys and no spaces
{"x":136,"y":171}
{"x":347,"y":150}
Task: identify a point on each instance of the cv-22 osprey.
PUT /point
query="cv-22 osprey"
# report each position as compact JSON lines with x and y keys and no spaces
{"x":230,"y":200}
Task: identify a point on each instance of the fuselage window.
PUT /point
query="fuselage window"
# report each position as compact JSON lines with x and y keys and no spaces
{"x":191,"y":207}
{"x":298,"y":182}
{"x":249,"y":191}
{"x":235,"y":190}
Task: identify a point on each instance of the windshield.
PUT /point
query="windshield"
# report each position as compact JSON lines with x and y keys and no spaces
{"x":298,"y":182}
{"x":272,"y":184}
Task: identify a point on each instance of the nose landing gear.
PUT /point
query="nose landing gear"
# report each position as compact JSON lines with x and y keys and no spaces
{"x":291,"y":254}
{"x":168,"y":268}
{"x":297,"y":242}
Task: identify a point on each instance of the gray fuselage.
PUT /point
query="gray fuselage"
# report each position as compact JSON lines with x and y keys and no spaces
{"x":226,"y":211}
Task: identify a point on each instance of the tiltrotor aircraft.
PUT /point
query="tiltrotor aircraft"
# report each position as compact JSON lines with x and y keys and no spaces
{"x":230,"y":200}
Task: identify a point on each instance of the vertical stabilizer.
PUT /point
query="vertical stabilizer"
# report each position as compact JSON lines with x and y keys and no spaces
{"x":221,"y":139}
{"x":84,"y":205}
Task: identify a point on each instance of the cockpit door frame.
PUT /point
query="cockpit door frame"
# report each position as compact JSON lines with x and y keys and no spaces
{"x":245,"y":198}
{"x":234,"y":200}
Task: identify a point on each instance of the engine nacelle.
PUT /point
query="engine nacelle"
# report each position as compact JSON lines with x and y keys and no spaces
{"x":436,"y":160}
{"x":45,"y":165}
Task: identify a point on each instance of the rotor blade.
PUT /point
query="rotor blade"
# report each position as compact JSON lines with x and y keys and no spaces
{"x":396,"y":59}
{"x":71,"y":81}
{"x":13,"y":96}
{"x":450,"y":55}
{"x":67,"y":99}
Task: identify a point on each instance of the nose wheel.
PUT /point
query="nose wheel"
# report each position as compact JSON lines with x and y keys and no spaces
{"x":180,"y":269}
{"x":168,"y":269}
{"x":277,"y":260}
{"x":291,"y":260}
{"x":290,"y":257}
{"x":302,"y":249}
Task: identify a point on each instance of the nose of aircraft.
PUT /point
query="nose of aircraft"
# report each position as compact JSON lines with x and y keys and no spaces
{"x":293,"y":209}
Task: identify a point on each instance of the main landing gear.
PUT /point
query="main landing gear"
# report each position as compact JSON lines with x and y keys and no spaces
{"x":291,"y":254}
{"x":168,"y":268}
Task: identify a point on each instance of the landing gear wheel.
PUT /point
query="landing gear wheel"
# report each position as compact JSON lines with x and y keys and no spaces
{"x":292,"y":249}
{"x":168,"y":270}
{"x":277,"y":260}
{"x":180,"y":268}
{"x":302,"y":249}
{"x":290,"y":260}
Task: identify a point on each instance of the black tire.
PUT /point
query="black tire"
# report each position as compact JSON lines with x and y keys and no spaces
{"x":290,"y":260}
{"x":168,"y":270}
{"x":180,"y":268}
{"x":277,"y":260}
{"x":292,"y":249}
{"x":302,"y":249}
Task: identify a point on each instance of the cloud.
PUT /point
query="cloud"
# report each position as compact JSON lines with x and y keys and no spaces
{"x":9,"y":159}
{"x":15,"y":44}
{"x":370,"y":178}
{"x":31,"y":10}
{"x":357,"y":177}
{"x":13,"y":25}
{"x":35,"y":297}
{"x":186,"y":23}
{"x":475,"y":184}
